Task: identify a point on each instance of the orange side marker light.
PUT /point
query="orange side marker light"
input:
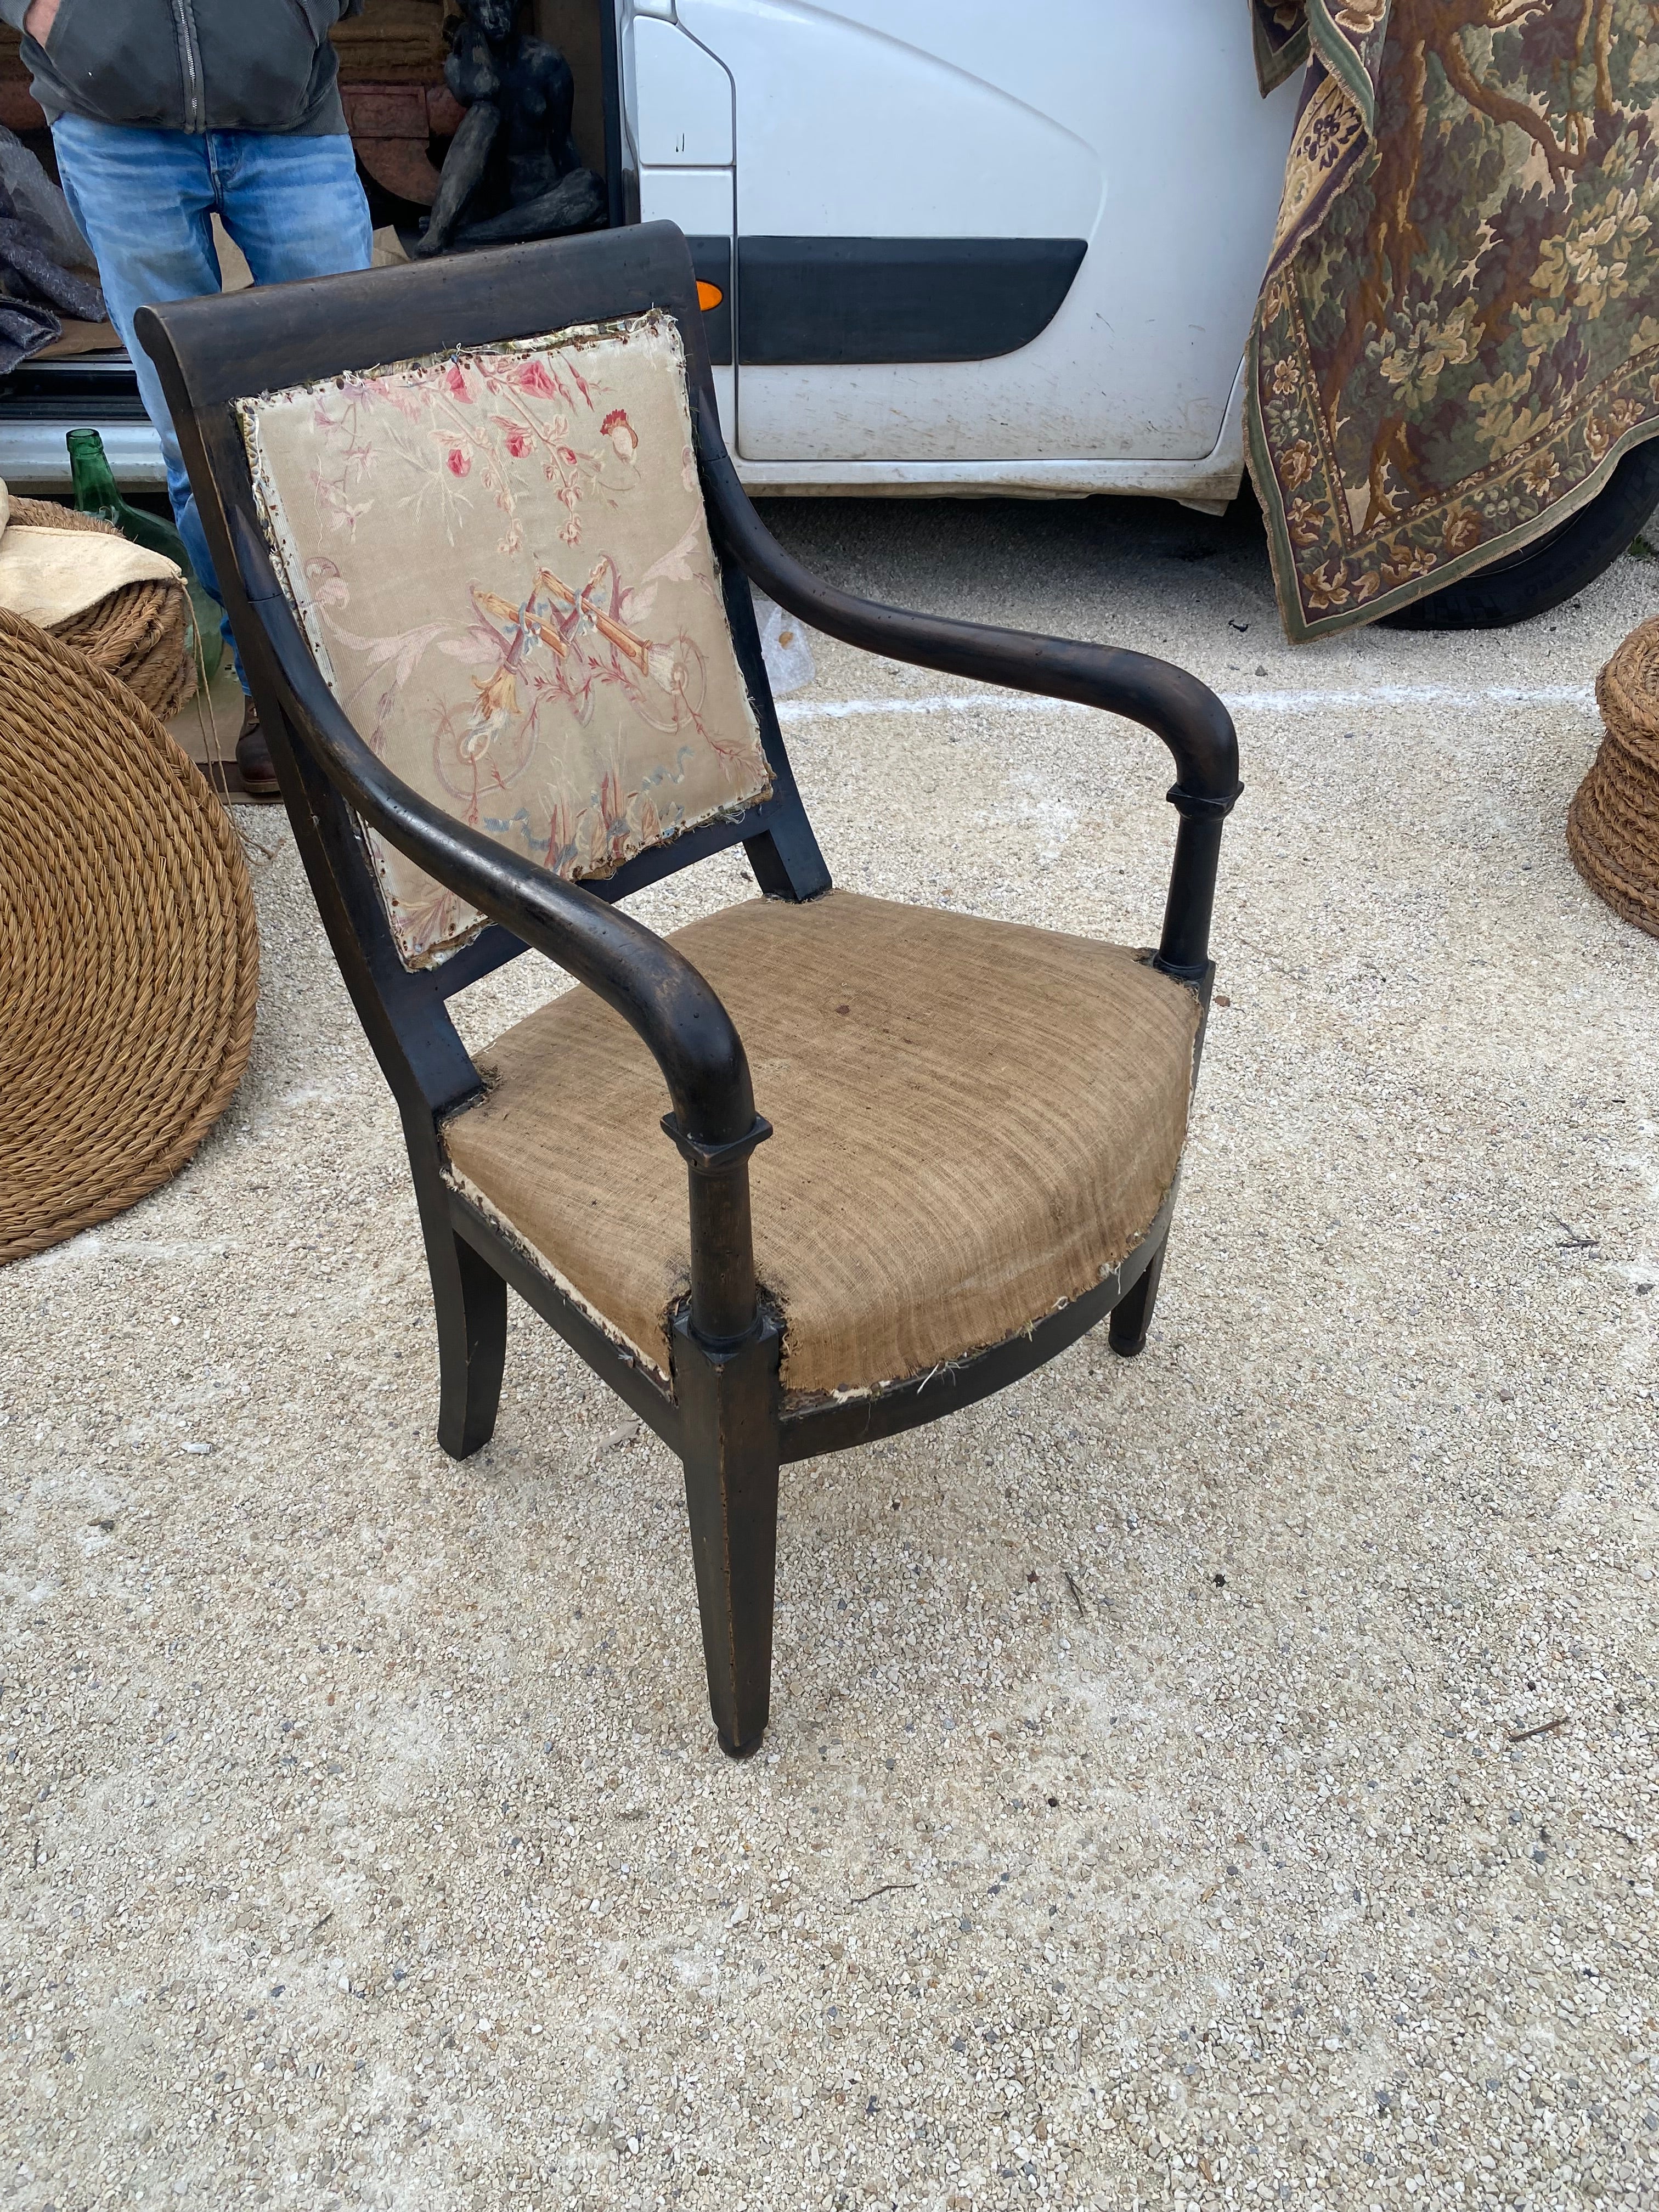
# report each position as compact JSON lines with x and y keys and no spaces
{"x":709,"y":295}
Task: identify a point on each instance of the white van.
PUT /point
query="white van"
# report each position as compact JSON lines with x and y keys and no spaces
{"x":971,"y":249}
{"x":951,"y":247}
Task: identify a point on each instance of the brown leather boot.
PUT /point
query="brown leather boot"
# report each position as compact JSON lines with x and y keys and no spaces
{"x":253,"y":760}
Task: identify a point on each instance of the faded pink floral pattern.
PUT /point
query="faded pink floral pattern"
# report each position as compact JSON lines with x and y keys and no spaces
{"x":502,"y":563}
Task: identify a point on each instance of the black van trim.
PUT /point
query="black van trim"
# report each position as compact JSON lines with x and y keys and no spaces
{"x":711,"y":257}
{"x":855,"y":300}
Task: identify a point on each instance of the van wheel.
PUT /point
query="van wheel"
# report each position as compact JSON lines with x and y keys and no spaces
{"x":1553,"y":568}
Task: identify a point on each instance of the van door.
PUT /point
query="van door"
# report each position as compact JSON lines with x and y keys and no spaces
{"x":972,"y":233}
{"x":678,"y":129}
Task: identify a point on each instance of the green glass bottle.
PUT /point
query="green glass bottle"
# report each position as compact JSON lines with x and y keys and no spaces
{"x":95,"y":493}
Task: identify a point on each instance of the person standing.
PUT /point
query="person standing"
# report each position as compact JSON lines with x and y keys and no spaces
{"x":167,"y":113}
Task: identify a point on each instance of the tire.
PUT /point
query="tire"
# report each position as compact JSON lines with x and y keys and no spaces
{"x":1553,"y":569}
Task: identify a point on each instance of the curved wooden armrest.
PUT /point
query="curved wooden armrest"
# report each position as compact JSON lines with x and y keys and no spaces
{"x":1186,"y":713}
{"x":655,"y":989}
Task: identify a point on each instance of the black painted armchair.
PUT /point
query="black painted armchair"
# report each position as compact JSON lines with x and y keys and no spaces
{"x":819,"y":1167}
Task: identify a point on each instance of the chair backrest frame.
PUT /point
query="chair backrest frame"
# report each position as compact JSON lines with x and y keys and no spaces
{"x":214,"y":352}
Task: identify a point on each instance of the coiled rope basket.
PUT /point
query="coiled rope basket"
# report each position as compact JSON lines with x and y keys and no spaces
{"x":129,"y":958}
{"x":1612,"y":824}
{"x":140,"y":634}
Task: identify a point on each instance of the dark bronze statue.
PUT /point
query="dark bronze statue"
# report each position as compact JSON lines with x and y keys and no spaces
{"x":511,"y":167}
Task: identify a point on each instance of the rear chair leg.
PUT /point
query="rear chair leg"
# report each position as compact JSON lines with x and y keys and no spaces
{"x":470,"y":1301}
{"x":729,"y":1408}
{"x":1131,"y":1317}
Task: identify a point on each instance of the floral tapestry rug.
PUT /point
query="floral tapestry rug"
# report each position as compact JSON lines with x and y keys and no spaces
{"x":1457,"y":338}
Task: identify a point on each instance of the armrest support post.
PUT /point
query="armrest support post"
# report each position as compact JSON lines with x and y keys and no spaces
{"x":723,"y":1299}
{"x":1183,"y":949}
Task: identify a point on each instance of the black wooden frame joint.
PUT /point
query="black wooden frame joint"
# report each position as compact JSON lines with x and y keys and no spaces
{"x":1201,"y":806}
{"x":720,"y":1351}
{"x":1195,"y":974}
{"x":716,"y":1160}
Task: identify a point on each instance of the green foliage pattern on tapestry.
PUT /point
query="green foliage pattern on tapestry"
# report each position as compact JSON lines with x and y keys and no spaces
{"x":1458,"y":334}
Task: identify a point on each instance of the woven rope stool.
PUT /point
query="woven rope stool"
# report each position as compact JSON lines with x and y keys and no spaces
{"x":1612,"y":824}
{"x":129,"y":961}
{"x":140,"y":634}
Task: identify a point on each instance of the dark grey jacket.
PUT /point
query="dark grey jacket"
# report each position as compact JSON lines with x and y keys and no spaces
{"x":190,"y":64}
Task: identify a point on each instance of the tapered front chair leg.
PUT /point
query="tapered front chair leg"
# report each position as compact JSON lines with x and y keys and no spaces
{"x":468,"y":1300}
{"x":729,"y":1408}
{"x":1131,"y":1317}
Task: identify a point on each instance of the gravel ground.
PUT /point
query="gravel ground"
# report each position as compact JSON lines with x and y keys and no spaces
{"x":1227,"y":1778}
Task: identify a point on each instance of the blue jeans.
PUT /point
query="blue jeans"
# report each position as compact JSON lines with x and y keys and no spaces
{"x":144,"y":198}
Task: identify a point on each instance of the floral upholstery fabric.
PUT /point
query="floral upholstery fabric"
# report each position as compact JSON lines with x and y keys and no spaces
{"x":502,"y":564}
{"x":1458,"y":336}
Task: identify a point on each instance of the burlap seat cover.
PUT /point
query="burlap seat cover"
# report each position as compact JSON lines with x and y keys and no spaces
{"x":501,"y":562}
{"x":974,"y":1121}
